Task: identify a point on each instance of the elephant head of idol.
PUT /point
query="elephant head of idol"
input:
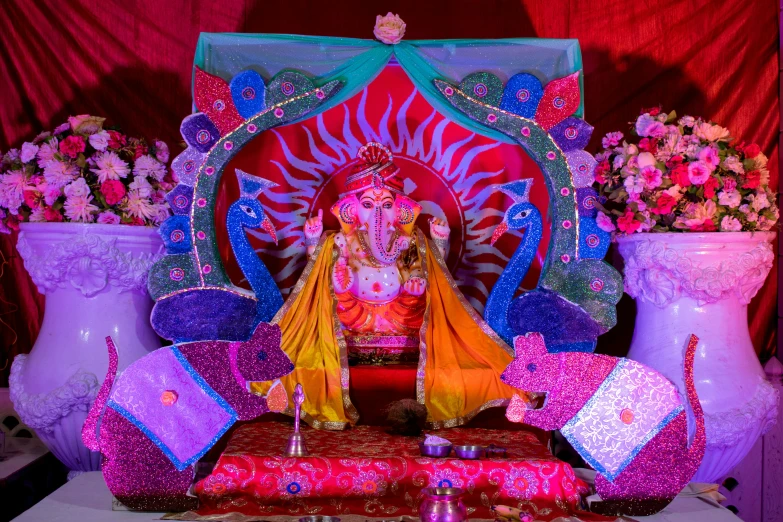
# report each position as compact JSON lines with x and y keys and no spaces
{"x":373,"y":207}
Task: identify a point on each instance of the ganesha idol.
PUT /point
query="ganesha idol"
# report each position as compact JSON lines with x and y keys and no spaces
{"x":378,"y":291}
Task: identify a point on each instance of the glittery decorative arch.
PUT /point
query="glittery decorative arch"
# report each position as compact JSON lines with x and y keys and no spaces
{"x":195,"y":299}
{"x":540,"y":118}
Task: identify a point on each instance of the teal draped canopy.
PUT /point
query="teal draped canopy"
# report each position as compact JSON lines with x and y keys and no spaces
{"x":356,"y":62}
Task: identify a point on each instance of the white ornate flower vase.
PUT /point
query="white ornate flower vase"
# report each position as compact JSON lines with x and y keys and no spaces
{"x":688,"y":283}
{"x":94,"y":278}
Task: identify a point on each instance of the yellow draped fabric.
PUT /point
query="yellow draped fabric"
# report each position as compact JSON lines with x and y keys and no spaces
{"x":460,"y":359}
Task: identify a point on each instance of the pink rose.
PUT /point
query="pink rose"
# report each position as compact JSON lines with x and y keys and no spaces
{"x":664,"y":205}
{"x":389,"y":29}
{"x":72,"y":146}
{"x":730,"y":224}
{"x":611,"y":140}
{"x":86,"y":124}
{"x":113,"y":191}
{"x":698,"y":172}
{"x":729,"y":184}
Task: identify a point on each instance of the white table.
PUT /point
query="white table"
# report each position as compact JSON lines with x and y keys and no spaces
{"x":19,"y":452}
{"x":87,"y":499}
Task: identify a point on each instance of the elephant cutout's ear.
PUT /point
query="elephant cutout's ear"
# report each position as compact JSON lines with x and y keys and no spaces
{"x":530,"y":344}
{"x":345,"y":210}
{"x":406,"y":211}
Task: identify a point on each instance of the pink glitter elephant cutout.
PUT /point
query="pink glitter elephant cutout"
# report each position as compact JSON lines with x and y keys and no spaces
{"x":625,"y":419}
{"x":167,"y":409}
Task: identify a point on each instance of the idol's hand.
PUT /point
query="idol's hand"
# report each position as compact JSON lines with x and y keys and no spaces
{"x":313,"y":229}
{"x":439,"y":229}
{"x":342,"y":276}
{"x":415,"y":286}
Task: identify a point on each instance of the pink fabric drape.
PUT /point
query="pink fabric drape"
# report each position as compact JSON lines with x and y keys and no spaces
{"x":131,"y":61}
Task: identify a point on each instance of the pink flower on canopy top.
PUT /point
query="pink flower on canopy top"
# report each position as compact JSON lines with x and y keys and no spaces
{"x":730,"y":224}
{"x":698,"y":172}
{"x":604,"y":222}
{"x":108,"y":218}
{"x":62,"y":128}
{"x":648,"y":126}
{"x":80,"y":209}
{"x":72,"y":146}
{"x":28,"y":152}
{"x":611,"y":140}
{"x":110,"y":166}
{"x":389,"y":29}
{"x":652,"y":176}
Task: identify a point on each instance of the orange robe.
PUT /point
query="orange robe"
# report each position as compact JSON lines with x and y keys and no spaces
{"x":460,"y":357}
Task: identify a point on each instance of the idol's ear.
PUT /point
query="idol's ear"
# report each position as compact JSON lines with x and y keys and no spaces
{"x":406,"y":211}
{"x":345,"y":210}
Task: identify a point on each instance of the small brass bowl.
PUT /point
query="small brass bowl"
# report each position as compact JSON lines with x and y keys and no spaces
{"x":469,"y":452}
{"x":437,"y":451}
{"x":495,"y":452}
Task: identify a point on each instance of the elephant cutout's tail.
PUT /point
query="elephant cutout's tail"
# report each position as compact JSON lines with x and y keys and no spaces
{"x":90,"y":428}
{"x":697,"y":446}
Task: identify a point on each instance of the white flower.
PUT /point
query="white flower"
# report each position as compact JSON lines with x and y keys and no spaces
{"x":150,"y":167}
{"x":78,"y":188}
{"x":674,"y":191}
{"x":47,"y":151}
{"x":760,"y":161}
{"x":730,"y":199}
{"x":80,"y":208}
{"x":59,"y":173}
{"x":687,"y":121}
{"x":142,"y":186}
{"x":646,"y":126}
{"x":110,"y":166}
{"x":730,"y":224}
{"x":634,"y":184}
{"x":645,"y":159}
{"x":28,"y":152}
{"x":758,"y":201}
{"x":710,"y":132}
{"x":733,"y":164}
{"x":99,"y":140}
{"x":631,"y":150}
{"x":139,"y":206}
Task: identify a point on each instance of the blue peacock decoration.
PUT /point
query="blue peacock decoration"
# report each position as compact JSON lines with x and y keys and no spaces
{"x":577,"y":291}
{"x":195,"y":299}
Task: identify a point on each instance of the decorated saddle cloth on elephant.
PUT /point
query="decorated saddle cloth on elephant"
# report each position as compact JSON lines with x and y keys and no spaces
{"x":166,"y":398}
{"x":460,"y":357}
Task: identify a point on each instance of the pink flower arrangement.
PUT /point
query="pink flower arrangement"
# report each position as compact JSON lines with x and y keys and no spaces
{"x":681,"y":175}
{"x":83,"y":173}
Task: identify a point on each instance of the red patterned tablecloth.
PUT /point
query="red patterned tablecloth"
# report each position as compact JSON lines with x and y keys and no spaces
{"x":368,"y":473}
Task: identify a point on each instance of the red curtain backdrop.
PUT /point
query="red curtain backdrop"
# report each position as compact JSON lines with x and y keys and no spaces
{"x":131,"y":61}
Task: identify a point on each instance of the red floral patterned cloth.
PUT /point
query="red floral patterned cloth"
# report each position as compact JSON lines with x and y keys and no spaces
{"x":367,"y":472}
